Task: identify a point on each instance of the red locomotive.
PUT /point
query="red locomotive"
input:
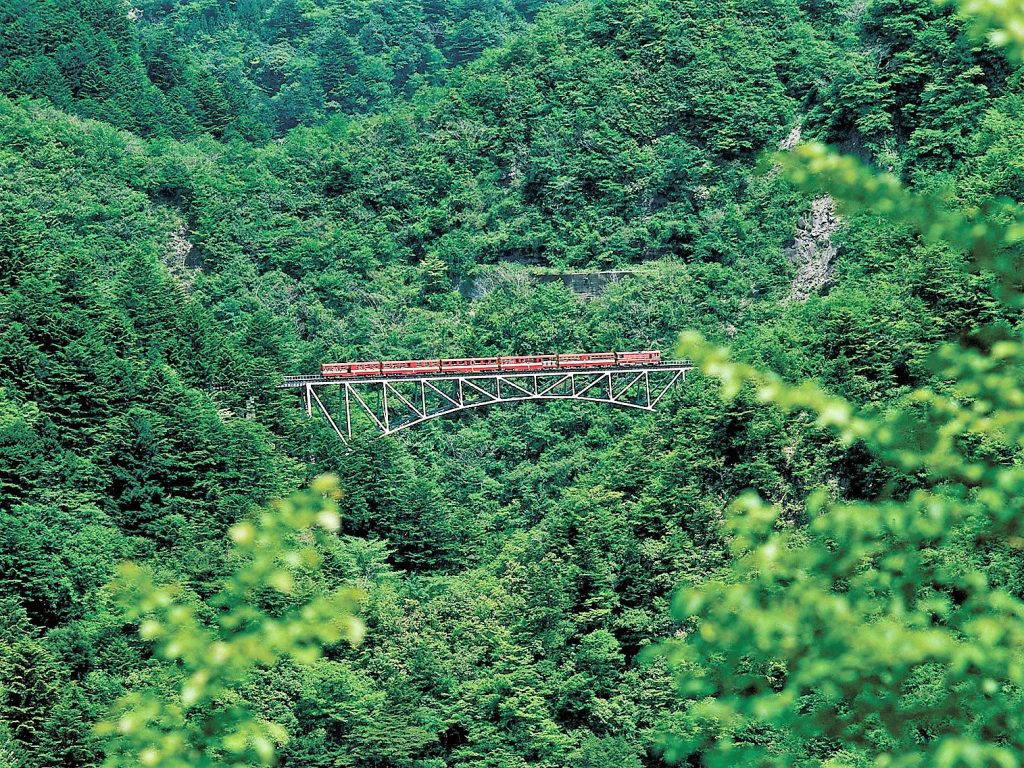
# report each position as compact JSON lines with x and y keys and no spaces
{"x":516,"y":363}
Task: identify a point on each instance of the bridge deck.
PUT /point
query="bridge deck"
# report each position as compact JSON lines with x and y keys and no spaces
{"x":299,"y":382}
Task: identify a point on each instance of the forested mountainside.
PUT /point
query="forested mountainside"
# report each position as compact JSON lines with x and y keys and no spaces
{"x":226,"y":192}
{"x":253,"y":68}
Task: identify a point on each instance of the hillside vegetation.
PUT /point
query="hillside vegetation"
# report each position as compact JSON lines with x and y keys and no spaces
{"x":226,"y":192}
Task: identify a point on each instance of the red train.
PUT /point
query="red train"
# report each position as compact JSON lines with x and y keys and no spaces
{"x":518,"y":363}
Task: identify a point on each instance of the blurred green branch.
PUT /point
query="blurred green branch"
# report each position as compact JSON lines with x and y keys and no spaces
{"x":874,"y":634}
{"x":198,"y":719}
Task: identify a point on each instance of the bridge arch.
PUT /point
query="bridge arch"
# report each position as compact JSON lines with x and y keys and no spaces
{"x":542,"y":398}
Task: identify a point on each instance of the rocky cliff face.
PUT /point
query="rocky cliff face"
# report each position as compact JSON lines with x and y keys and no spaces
{"x":812,"y":250}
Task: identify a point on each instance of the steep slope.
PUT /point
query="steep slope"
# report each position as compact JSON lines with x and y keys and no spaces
{"x":517,"y":561}
{"x":253,"y":68}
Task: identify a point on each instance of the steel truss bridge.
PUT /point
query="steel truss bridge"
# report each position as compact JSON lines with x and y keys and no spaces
{"x":394,"y":403}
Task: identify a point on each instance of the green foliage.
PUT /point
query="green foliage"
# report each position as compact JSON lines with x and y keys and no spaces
{"x":195,"y":717}
{"x":435,"y":165}
{"x":990,"y":236}
{"x":252,"y":69}
{"x":1000,"y":21}
{"x":889,"y":631}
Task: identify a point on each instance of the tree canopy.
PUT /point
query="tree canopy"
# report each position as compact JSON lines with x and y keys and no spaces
{"x":200,"y":197}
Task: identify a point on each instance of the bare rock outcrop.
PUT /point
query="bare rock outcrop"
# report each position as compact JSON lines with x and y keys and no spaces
{"x":176,"y":256}
{"x":812,"y":250}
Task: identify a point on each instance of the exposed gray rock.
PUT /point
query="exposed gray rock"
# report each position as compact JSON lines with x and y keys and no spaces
{"x":812,"y":250}
{"x":586,"y":285}
{"x":177,"y":254}
{"x":791,"y":140}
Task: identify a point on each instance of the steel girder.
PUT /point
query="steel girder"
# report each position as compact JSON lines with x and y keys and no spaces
{"x":392,"y":404}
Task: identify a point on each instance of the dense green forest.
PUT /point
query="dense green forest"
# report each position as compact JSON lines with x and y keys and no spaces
{"x":212,"y":192}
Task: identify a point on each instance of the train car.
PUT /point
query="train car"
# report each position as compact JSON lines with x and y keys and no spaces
{"x":470,"y":365}
{"x":651,"y":357}
{"x":587,"y":360}
{"x":529,"y":362}
{"x":488,"y":364}
{"x":409,"y":367}
{"x":344,"y":370}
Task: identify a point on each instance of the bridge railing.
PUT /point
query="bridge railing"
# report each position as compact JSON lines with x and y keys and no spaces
{"x":301,"y":379}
